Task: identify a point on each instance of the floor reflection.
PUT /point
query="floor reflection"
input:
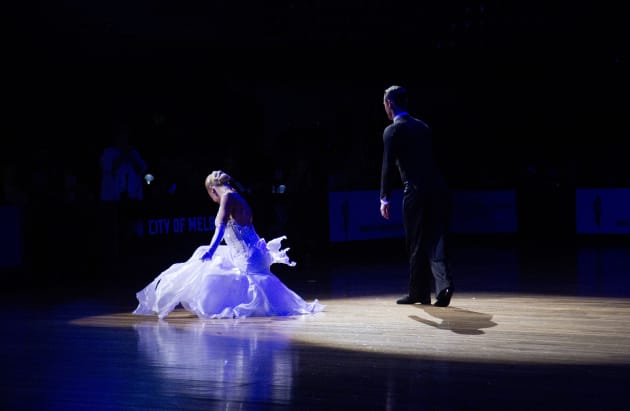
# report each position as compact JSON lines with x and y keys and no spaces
{"x":225,"y":361}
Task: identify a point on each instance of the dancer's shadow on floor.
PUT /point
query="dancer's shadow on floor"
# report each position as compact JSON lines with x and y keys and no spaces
{"x":456,"y":320}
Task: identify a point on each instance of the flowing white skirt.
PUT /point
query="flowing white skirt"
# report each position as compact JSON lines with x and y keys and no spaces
{"x":218,"y":289}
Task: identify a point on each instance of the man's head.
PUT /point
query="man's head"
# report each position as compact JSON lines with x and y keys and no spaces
{"x":395,"y":101}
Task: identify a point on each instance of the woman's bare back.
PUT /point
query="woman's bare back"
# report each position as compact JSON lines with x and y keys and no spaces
{"x":238,"y":209}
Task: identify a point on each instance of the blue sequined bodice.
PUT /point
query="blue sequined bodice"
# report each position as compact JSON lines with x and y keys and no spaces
{"x":248,"y":250}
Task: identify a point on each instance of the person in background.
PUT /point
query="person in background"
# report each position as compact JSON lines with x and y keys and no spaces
{"x":122,"y":170}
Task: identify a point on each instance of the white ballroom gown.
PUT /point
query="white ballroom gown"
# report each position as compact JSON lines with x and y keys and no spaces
{"x":235,"y":283}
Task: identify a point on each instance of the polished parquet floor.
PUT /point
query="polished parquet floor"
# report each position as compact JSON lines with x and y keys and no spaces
{"x":529,"y":328}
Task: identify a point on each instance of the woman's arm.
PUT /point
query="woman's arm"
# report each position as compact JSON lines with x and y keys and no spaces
{"x":219,"y":231}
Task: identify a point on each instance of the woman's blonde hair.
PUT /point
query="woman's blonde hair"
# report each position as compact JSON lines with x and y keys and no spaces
{"x":217,"y":178}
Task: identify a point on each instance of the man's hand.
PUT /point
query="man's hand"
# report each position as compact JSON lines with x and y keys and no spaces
{"x":385,"y":210}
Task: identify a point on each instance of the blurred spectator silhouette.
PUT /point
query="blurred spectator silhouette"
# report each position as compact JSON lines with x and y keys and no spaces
{"x":122,"y":192}
{"x":71,"y":189}
{"x":280,"y":204}
{"x":122,"y":169}
{"x":12,"y":184}
{"x":45,"y":183}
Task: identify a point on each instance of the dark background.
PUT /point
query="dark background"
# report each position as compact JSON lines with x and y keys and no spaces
{"x":502,"y":85}
{"x":529,"y":95}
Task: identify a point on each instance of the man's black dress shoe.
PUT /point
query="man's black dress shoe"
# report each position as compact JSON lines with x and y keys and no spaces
{"x":412,"y":300}
{"x":444,"y":298}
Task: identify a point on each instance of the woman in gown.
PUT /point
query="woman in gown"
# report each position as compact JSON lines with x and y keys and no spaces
{"x":231,"y":280}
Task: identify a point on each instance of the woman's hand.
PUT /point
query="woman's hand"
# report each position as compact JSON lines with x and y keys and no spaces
{"x":207,"y":255}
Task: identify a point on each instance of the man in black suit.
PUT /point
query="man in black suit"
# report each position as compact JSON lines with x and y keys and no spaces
{"x":426,"y":200}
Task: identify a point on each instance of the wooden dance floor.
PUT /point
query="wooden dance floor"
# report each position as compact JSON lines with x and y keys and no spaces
{"x":535,"y":329}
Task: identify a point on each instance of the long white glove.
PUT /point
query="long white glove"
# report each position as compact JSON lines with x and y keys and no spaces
{"x":214,"y":243}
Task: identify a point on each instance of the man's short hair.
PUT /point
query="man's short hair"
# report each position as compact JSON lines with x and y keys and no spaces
{"x":397,"y":95}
